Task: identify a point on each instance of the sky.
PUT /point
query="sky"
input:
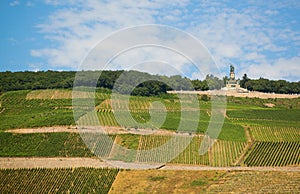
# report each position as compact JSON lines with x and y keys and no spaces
{"x":260,"y":38}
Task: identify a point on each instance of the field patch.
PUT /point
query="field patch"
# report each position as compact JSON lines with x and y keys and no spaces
{"x":78,"y":180}
{"x":45,"y":144}
{"x":265,"y":114}
{"x":274,"y":154}
{"x":276,"y":134}
{"x":257,"y":182}
{"x":163,"y":181}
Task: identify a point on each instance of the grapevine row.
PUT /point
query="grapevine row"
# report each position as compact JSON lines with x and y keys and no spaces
{"x":274,"y":154}
{"x":78,"y":180}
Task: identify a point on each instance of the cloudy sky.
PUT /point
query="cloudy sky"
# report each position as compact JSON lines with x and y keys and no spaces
{"x":261,"y":38}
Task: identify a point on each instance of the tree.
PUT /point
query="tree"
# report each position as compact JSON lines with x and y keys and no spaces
{"x":244,"y":80}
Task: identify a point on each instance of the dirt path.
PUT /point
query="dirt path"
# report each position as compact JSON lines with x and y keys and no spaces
{"x":108,"y":129}
{"x":2,"y":110}
{"x":23,"y":162}
{"x":251,"y":94}
{"x":233,"y":168}
{"x":35,"y":162}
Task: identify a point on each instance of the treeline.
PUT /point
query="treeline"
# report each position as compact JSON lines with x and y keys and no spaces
{"x":270,"y":86}
{"x":125,"y":82}
{"x":132,"y":82}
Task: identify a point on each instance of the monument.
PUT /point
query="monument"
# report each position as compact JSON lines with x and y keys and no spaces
{"x":232,"y":83}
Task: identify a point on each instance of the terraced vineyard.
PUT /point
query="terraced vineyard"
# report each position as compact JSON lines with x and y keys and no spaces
{"x":78,"y":180}
{"x":223,"y":153}
{"x":43,"y":144}
{"x":265,"y":114}
{"x":274,"y":146}
{"x":22,"y":113}
{"x":227,"y":153}
{"x":273,"y":129}
{"x":274,"y":154}
{"x":276,"y":134}
{"x":256,"y":182}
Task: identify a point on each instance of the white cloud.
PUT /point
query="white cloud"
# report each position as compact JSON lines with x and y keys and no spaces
{"x":253,"y":37}
{"x":13,"y":41}
{"x":29,"y":4}
{"x":80,"y":25}
{"x":14,"y":3}
{"x":282,"y":68}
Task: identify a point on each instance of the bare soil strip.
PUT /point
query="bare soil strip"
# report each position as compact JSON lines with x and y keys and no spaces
{"x":251,"y":94}
{"x":231,"y":168}
{"x":39,"y":162}
{"x":108,"y":129}
{"x":23,"y":162}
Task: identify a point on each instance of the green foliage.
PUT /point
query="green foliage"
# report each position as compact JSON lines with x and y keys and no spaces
{"x":265,"y":85}
{"x":214,"y":82}
{"x":157,"y":178}
{"x":78,"y":180}
{"x":10,"y":81}
{"x":200,"y":85}
{"x":199,"y":182}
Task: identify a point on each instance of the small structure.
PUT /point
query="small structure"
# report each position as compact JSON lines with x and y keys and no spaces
{"x":232,"y":83}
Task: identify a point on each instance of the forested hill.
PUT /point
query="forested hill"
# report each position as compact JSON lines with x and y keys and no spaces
{"x":65,"y":79}
{"x":54,"y":79}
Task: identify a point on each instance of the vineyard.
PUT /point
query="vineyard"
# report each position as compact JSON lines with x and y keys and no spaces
{"x":275,"y":131}
{"x":265,"y":114}
{"x":256,"y":182}
{"x":276,"y":134}
{"x":223,"y":153}
{"x":22,"y":113}
{"x":78,"y":180}
{"x":274,"y":146}
{"x":274,"y":154}
{"x":227,"y":153}
{"x":43,"y":144}
{"x":252,"y":136}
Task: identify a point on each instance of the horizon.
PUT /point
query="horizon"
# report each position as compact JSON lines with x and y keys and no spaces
{"x":259,"y":39}
{"x":237,"y":78}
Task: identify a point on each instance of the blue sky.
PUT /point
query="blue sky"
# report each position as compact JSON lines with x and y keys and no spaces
{"x":261,"y":38}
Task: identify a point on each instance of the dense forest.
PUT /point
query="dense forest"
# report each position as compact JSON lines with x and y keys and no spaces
{"x":133,"y":82}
